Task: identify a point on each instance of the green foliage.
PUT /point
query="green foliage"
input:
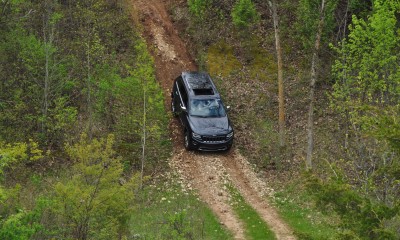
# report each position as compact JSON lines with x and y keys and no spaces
{"x":199,"y":7}
{"x":367,"y":94}
{"x":19,"y":223}
{"x":18,"y":226}
{"x":296,"y":206}
{"x":11,"y":155}
{"x":141,"y":85}
{"x":33,"y":84}
{"x":367,"y":76}
{"x":308,"y":18}
{"x":360,"y":7}
{"x":360,"y":217}
{"x":95,"y":202}
{"x":63,"y":117}
{"x":9,"y":200}
{"x":53,"y":55}
{"x":244,"y":14}
{"x":179,"y":225}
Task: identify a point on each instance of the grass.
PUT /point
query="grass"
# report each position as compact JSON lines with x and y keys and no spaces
{"x":166,"y":211}
{"x":255,"y":227}
{"x":306,"y":221}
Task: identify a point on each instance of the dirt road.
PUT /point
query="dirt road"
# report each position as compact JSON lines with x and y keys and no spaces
{"x":208,"y":173}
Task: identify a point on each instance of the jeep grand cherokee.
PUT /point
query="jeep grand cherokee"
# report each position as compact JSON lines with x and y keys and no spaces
{"x":197,"y":103}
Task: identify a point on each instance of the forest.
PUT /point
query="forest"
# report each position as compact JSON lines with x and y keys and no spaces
{"x":85,"y":134}
{"x":75,"y":77}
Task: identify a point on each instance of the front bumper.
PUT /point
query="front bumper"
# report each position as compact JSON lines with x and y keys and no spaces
{"x":212,"y":145}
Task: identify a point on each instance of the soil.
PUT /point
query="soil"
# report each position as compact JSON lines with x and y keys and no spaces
{"x":207,"y":173}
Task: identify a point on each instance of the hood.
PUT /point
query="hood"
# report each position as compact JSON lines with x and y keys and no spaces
{"x":210,"y":126}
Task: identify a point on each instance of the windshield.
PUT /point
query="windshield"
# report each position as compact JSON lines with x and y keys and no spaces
{"x":206,"y":108}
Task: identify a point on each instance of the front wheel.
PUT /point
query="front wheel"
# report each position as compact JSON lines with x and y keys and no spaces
{"x":188,"y":141}
{"x":228,"y":148}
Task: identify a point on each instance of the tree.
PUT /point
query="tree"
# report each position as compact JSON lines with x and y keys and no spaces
{"x":361,"y":217}
{"x":17,"y":222}
{"x":244,"y":13}
{"x":309,"y":15}
{"x":35,"y":96}
{"x":141,"y":124}
{"x":310,"y":125}
{"x":145,"y":73}
{"x":96,"y":201}
{"x":12,"y":155}
{"x":367,"y":94}
{"x":274,"y":13}
{"x":367,"y":73}
{"x":199,"y":7}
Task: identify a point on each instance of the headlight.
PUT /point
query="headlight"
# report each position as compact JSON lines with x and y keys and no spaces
{"x":229,"y":135}
{"x":195,"y":135}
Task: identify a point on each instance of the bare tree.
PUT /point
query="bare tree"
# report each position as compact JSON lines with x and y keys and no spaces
{"x":274,"y":14}
{"x":310,"y":125}
{"x":89,"y":90}
{"x":51,"y":81}
{"x":48,"y":36}
{"x":144,"y":135}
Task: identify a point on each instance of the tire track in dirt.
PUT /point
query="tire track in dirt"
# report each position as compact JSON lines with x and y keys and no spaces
{"x":208,"y":173}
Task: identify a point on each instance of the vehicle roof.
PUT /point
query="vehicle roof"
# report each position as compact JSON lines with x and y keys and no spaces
{"x":200,"y":84}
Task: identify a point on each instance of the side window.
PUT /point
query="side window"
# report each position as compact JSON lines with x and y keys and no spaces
{"x":182,"y":90}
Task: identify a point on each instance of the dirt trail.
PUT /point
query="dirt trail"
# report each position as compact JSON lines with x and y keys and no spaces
{"x":208,"y":173}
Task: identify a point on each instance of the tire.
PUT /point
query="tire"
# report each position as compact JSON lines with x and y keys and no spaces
{"x":228,"y":148}
{"x":187,"y":140}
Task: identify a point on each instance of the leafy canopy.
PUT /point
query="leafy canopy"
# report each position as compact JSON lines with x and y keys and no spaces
{"x":199,"y":7}
{"x":368,"y":75}
{"x":96,"y":201}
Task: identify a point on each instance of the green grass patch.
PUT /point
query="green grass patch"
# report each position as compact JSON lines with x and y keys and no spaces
{"x":297,"y":209}
{"x":166,"y":211}
{"x":255,"y":227}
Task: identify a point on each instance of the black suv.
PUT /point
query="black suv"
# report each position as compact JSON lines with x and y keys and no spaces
{"x":198,"y":104}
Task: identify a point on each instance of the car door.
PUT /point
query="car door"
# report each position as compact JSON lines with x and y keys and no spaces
{"x":176,"y":94}
{"x":175,"y":97}
{"x":182,"y":99}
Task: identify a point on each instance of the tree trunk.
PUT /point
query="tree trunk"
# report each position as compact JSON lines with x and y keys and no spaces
{"x":310,"y":125}
{"x":143,"y":137}
{"x":281,"y":98}
{"x":48,"y":37}
{"x":88,"y":83}
{"x":45,"y":106}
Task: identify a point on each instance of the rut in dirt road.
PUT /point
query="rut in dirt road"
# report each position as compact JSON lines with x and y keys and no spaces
{"x":208,"y":173}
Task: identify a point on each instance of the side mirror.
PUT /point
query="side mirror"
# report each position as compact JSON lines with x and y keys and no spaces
{"x":183,"y":108}
{"x":228,"y":108}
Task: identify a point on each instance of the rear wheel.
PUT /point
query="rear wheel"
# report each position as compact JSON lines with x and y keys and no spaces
{"x":188,"y":141}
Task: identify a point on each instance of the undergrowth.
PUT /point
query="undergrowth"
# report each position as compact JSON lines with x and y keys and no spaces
{"x":297,"y":209}
{"x":168,"y":211}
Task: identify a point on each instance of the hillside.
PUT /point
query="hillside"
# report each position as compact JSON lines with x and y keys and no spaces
{"x":207,"y":173}
{"x":90,"y":150}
